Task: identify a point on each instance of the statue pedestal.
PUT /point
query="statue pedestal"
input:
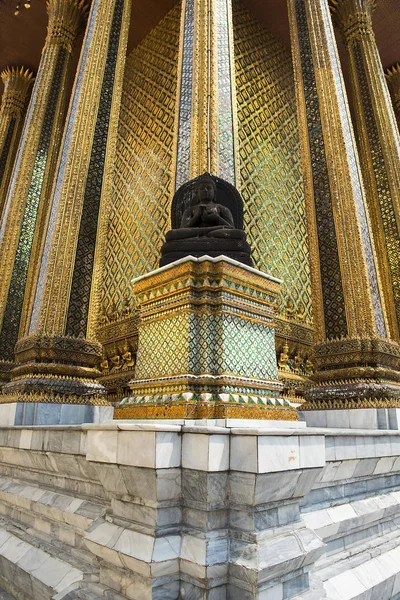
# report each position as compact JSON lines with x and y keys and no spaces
{"x":206,"y":345}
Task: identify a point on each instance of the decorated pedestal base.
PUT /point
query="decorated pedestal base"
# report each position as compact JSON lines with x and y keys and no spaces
{"x":53,"y":382}
{"x":206,"y":344}
{"x":356,"y":385}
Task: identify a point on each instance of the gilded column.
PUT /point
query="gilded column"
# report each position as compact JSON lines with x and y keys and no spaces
{"x":348,"y":301}
{"x":63,"y":331}
{"x":206,"y":129}
{"x":26,"y":208}
{"x":17,"y":87}
{"x":379,"y":143}
{"x":393,"y":78}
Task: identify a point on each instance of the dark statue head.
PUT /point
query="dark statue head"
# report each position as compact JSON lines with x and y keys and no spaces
{"x":205,"y":190}
{"x":207,"y":220}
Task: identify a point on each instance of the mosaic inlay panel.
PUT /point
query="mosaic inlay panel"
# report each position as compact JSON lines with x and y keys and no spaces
{"x":206,"y":343}
{"x":385,"y":199}
{"x":226,"y":150}
{"x":332,"y":289}
{"x":355,"y":181}
{"x":60,"y":175}
{"x":270,"y":158}
{"x":142,"y":186}
{"x":82,"y":278}
{"x":12,"y":313}
{"x":185,"y":100}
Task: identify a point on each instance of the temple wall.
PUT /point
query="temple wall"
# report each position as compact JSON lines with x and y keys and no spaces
{"x":142,"y":187}
{"x":269,"y":150}
{"x":269,"y":160}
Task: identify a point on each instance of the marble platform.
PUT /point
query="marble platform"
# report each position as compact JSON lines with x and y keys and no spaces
{"x":187,"y":511}
{"x":355,"y":418}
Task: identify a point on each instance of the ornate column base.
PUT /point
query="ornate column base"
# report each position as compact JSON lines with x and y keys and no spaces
{"x":351,"y":374}
{"x":206,"y":345}
{"x":51,"y":371}
{"x":5,"y":372}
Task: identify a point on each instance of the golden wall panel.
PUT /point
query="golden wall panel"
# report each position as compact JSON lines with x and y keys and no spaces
{"x":272,"y":187}
{"x":143,"y":187}
{"x":270,"y":167}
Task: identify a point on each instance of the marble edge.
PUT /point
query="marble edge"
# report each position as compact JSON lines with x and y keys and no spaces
{"x":214,"y":259}
{"x":210,"y":429}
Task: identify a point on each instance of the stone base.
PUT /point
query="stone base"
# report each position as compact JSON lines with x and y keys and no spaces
{"x":199,"y":511}
{"x":51,"y":413}
{"x":356,"y":418}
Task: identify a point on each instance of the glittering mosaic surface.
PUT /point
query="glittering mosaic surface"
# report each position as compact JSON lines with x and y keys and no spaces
{"x":385,"y":200}
{"x":12,"y":313}
{"x":269,"y":155}
{"x":331,"y":279}
{"x":142,"y":189}
{"x":270,"y":158}
{"x":207,"y":343}
{"x":82,"y":279}
{"x":354,"y":173}
{"x":185,"y":100}
{"x":226,"y":151}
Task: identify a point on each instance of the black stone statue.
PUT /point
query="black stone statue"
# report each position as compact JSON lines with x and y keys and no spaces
{"x":202,"y":226}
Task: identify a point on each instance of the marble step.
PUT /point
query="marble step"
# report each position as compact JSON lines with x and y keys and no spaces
{"x":377,"y":577}
{"x":5,"y":595}
{"x":97,"y":592}
{"x":30,"y":570}
{"x":331,"y":565}
{"x":77,"y":557}
{"x":49,"y":512}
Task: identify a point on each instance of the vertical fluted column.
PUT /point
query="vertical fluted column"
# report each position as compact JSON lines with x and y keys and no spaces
{"x":26,"y":208}
{"x":379,"y":143}
{"x":63,"y":330}
{"x":206,"y":138}
{"x":348,"y":303}
{"x":393,"y":78}
{"x":17,"y":87}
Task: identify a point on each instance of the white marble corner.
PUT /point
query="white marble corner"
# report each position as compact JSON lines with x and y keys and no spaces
{"x":25,"y":439}
{"x":7,"y":414}
{"x":205,"y":452}
{"x":102,"y":445}
{"x":278,"y":453}
{"x":168,"y":449}
{"x":312,"y":451}
{"x":244,"y":453}
{"x":137,"y":448}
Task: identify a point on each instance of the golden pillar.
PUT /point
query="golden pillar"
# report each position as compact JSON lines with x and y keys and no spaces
{"x":379,"y":143}
{"x":17,"y":86}
{"x":63,"y":331}
{"x":355,"y":361}
{"x":393,"y":78}
{"x":206,"y":123}
{"x":26,"y":208}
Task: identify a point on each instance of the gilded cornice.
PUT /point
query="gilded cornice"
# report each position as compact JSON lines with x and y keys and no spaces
{"x":65,"y":19}
{"x":17,"y":85}
{"x":353,"y":17}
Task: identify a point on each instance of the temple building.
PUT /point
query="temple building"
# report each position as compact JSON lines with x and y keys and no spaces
{"x":200,"y":299}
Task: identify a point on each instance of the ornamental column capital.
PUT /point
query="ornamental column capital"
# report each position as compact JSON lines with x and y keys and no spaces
{"x":66,"y":17}
{"x":392,"y":75}
{"x":17,"y":84}
{"x":353,"y":17}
